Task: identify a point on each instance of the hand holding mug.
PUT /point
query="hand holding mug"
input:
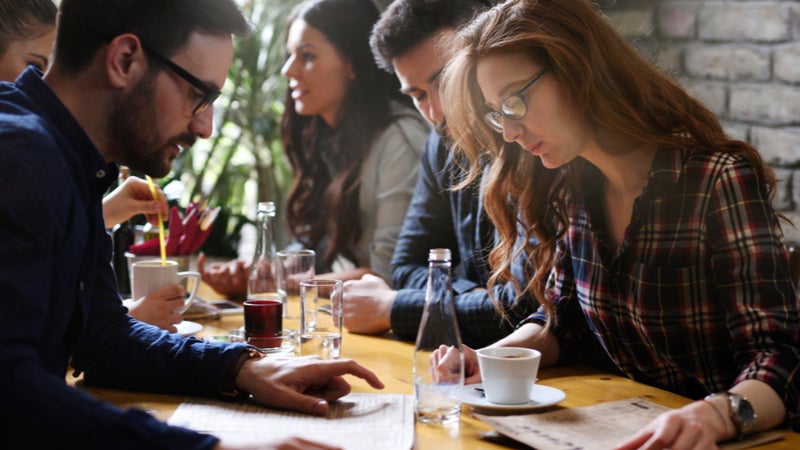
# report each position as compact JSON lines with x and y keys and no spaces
{"x":159,"y":307}
{"x":150,"y":275}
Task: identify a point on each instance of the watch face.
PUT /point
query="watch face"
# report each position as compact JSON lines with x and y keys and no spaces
{"x":742,"y":410}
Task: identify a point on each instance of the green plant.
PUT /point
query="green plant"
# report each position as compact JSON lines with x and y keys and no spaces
{"x":243,"y":162}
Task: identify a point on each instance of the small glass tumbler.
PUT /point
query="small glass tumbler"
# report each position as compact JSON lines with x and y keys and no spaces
{"x":263,"y":322}
{"x":321,"y":318}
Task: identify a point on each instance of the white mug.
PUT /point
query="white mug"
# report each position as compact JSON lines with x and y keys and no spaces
{"x":150,"y":275}
{"x":508,"y":373}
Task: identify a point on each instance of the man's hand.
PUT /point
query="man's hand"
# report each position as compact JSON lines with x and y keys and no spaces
{"x":368,"y":305}
{"x":305,"y":383}
{"x":131,"y":198}
{"x":228,"y":279}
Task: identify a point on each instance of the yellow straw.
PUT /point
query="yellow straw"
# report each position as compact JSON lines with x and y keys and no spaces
{"x":161,"y":240}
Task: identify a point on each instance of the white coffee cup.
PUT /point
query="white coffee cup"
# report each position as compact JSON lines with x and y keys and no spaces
{"x":508,"y":373}
{"x":150,"y":275}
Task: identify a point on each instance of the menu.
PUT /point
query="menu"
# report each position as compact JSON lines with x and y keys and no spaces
{"x":356,"y":421}
{"x":600,"y":426}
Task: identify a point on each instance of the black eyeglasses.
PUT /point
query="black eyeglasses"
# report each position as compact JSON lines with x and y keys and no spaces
{"x":513,"y":107}
{"x":210,"y":94}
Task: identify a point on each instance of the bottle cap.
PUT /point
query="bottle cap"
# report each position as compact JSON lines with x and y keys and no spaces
{"x":439,"y":254}
{"x":266,"y":207}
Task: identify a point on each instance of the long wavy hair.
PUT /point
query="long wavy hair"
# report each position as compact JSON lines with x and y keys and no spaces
{"x":621,"y":98}
{"x":323,"y":202}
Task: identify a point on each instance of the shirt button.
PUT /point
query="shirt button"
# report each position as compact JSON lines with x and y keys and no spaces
{"x":100,"y":173}
{"x":80,"y":285}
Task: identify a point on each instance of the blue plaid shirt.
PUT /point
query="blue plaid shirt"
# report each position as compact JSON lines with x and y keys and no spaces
{"x":698,"y":296}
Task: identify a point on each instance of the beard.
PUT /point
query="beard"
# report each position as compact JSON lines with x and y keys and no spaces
{"x":135,"y":134}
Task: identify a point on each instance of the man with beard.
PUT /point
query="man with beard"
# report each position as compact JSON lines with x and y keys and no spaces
{"x":408,"y":40}
{"x":131,"y":82}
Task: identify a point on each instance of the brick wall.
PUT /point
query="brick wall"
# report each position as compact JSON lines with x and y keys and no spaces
{"x":742,"y":59}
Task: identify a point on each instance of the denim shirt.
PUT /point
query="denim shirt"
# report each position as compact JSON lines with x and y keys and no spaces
{"x":58,"y":298}
{"x":440,"y":217}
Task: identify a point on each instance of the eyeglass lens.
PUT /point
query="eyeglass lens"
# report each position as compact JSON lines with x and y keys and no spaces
{"x":513,"y":107}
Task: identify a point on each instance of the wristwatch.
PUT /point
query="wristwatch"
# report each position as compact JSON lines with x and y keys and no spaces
{"x":742,"y":413}
{"x":228,"y":385}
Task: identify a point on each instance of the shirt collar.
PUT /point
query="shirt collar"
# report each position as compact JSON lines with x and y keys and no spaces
{"x":668,"y":165}
{"x":97,"y":171}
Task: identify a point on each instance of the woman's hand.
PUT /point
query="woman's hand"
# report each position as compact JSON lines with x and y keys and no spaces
{"x":443,"y":357}
{"x":696,"y":426}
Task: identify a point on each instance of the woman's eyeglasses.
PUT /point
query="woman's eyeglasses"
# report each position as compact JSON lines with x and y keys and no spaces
{"x":513,"y":107}
{"x":209,"y":94}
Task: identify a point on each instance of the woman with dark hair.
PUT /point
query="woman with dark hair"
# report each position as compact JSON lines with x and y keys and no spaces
{"x":656,"y":236}
{"x":353,"y":142}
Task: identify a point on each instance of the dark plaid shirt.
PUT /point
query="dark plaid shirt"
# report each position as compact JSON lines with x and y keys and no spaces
{"x":698,"y":296}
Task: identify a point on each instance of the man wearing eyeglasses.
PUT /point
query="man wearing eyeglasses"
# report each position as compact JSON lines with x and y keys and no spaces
{"x":408,"y":40}
{"x":131,"y":82}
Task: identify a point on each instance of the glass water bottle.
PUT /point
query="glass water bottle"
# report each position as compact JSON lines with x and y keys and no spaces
{"x":263,"y":281}
{"x":434,"y":385}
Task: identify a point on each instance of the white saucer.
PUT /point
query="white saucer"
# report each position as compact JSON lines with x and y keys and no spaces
{"x":187,"y":328}
{"x":543,"y":396}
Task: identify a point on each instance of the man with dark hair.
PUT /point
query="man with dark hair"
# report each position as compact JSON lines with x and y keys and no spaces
{"x":407,"y":40}
{"x":131,"y":82}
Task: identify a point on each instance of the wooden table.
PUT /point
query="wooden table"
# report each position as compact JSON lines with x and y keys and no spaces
{"x":391,"y":360}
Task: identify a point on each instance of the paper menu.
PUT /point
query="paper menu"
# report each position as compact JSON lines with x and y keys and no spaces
{"x":601,"y":426}
{"x":355,"y":422}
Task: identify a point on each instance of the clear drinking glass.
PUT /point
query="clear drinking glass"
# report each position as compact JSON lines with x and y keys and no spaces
{"x":294,"y":266}
{"x":321,"y":318}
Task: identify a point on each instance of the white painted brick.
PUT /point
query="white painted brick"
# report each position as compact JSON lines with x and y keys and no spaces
{"x":790,"y":232}
{"x":765,"y":21}
{"x":783,"y":200}
{"x":787,"y":62}
{"x":738,"y":131}
{"x":781,"y":145}
{"x":713,"y":95}
{"x":678,"y":20}
{"x":765,"y":104}
{"x":727,"y":62}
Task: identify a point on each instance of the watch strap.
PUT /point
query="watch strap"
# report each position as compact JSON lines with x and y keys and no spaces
{"x":228,"y":385}
{"x":741,"y":412}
